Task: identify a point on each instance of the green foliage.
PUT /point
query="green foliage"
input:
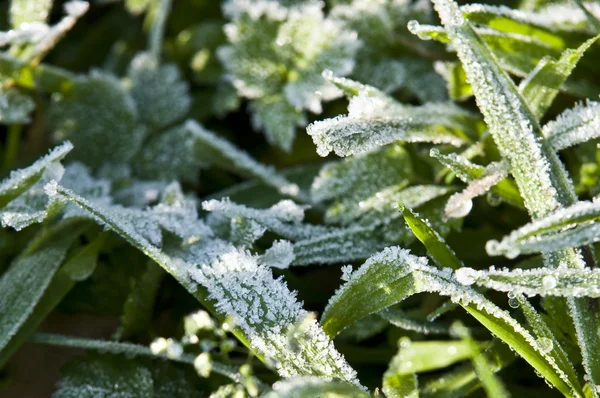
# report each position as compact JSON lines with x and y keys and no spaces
{"x":212,"y":252}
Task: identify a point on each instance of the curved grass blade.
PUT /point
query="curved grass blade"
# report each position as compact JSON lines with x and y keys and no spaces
{"x":269,"y":318}
{"x":435,"y":244}
{"x":398,"y":275}
{"x":543,"y":83}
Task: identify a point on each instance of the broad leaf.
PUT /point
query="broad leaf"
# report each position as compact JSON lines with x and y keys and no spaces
{"x":161,"y":96}
{"x":98,"y":112}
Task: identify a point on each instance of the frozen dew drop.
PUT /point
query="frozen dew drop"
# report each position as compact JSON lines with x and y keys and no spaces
{"x":549,"y":282}
{"x":513,"y":303}
{"x":404,"y":342}
{"x":461,"y":210}
{"x":466,"y":276}
{"x":452,"y":350}
{"x":545,"y":344}
{"x":159,"y":345}
{"x":203,"y":364}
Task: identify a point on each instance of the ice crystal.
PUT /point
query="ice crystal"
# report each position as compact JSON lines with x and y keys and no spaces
{"x":574,"y":126}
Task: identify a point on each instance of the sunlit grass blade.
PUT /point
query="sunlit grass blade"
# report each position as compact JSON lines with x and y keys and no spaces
{"x":240,"y":284}
{"x":435,"y":244}
{"x":400,"y":379}
{"x":483,"y":368}
{"x":399,"y":275}
{"x":542,"y":84}
{"x":546,"y":339}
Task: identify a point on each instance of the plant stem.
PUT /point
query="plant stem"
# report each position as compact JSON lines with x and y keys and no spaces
{"x":12,"y":146}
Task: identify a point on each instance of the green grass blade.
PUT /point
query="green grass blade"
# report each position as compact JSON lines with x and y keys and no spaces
{"x":435,"y":244}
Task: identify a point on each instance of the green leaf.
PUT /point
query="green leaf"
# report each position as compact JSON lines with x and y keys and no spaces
{"x":23,"y":11}
{"x":20,"y":180}
{"x":100,"y":118}
{"x":338,"y":246}
{"x":161,"y":95}
{"x":23,"y":285}
{"x":351,"y":185}
{"x":34,"y":285}
{"x":105,"y":375}
{"x":435,"y":244}
{"x":542,"y":84}
{"x":278,"y":119}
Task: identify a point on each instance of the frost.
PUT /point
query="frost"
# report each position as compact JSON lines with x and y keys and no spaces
{"x":171,"y":155}
{"x":262,"y":307}
{"x":563,"y":282}
{"x":265,"y":309}
{"x":161,"y":95}
{"x":178,"y":215}
{"x":283,"y":218}
{"x":373,"y":122}
{"x":574,"y":126}
{"x":553,"y":16}
{"x":19,"y":180}
{"x":15,"y":106}
{"x":346,"y":272}
{"x":279,"y":255}
{"x":275,"y":58}
{"x":571,"y":226}
{"x":460,"y":204}
{"x":338,"y":245}
{"x":515,"y":131}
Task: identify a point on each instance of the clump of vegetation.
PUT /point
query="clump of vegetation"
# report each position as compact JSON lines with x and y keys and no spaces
{"x":163,"y":169}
